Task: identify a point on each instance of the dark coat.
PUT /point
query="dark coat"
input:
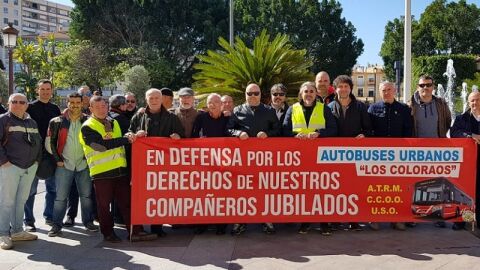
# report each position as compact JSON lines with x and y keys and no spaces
{"x":391,"y":120}
{"x":356,"y":120}
{"x":252,"y":121}
{"x":168,"y":123}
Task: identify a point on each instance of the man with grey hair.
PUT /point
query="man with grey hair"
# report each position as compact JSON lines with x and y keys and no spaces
{"x":390,"y":119}
{"x":212,"y":123}
{"x":131,"y":105}
{"x":84,"y":91}
{"x":156,"y":121}
{"x":186,"y":111}
{"x":20,"y":153}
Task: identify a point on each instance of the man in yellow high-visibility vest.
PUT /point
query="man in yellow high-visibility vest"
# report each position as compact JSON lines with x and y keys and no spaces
{"x":309,"y":119}
{"x":103,"y":145}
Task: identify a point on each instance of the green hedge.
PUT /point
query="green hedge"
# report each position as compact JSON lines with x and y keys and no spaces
{"x":436,"y":65}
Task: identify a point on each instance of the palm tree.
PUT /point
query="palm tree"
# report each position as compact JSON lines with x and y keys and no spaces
{"x":230,"y":70}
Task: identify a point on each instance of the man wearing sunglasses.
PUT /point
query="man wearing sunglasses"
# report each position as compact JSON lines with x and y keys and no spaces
{"x":131,"y":105}
{"x":431,"y":115}
{"x":20,"y":152}
{"x":252,"y":119}
{"x":84,"y":91}
{"x":279,"y":100}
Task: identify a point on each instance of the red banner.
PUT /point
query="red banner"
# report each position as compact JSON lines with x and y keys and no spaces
{"x":226,"y":180}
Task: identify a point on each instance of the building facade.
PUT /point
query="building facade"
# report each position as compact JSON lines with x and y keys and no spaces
{"x":366,"y":81}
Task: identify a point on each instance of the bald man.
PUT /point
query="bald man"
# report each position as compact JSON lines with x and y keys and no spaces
{"x":322,"y":83}
{"x":467,"y":125}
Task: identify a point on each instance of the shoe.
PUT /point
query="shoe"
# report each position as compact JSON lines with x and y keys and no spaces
{"x":200,"y":229}
{"x":158,"y":230}
{"x":143,"y":236}
{"x":268,"y":228}
{"x":325,"y":229}
{"x":55,"y":231}
{"x":69,"y":222}
{"x":112,"y":238}
{"x":304,"y":228}
{"x":23,"y":236}
{"x":400,"y":226}
{"x":411,"y":224}
{"x":440,"y":224}
{"x":6,"y":242}
{"x":238,"y":229}
{"x":30,"y":227}
{"x":91,"y":227}
{"x":458,"y":226}
{"x":374,"y":226}
{"x":220,"y":231}
{"x":355,"y":227}
{"x":335,"y":226}
{"x":49,"y":222}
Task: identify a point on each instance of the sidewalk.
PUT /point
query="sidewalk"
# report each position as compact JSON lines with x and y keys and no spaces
{"x":423,"y":247}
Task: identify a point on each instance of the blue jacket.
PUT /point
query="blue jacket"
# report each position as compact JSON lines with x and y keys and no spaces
{"x":391,"y":120}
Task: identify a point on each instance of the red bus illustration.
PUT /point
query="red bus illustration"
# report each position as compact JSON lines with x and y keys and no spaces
{"x":440,"y":198}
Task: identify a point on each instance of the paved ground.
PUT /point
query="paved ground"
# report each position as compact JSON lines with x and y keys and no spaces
{"x":423,"y":247}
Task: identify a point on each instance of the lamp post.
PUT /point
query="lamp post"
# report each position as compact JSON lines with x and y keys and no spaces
{"x":374,"y":84}
{"x":9,"y":34}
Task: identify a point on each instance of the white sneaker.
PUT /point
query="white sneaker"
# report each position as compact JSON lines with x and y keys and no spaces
{"x":5,"y":242}
{"x":24,"y":236}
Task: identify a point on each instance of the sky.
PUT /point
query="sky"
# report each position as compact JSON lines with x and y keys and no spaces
{"x":369,"y":18}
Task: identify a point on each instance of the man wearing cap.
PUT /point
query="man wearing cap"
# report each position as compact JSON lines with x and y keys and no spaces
{"x":20,"y":152}
{"x":118,"y":108}
{"x":167,"y":98}
{"x":131,"y":105}
{"x":186,"y":112}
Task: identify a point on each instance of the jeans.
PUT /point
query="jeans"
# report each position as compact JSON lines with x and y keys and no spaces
{"x":72,"y":202}
{"x":64,"y":179}
{"x":49,"y":200}
{"x":15,"y":186}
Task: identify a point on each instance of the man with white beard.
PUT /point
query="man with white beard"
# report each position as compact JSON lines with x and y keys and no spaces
{"x":186,"y":112}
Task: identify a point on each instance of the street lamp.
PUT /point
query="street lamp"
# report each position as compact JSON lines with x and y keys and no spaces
{"x":374,"y":84}
{"x":9,"y":34}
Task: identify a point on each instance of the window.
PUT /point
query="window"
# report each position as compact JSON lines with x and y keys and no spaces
{"x":15,"y":22}
{"x":15,"y":12}
{"x":35,"y":5}
{"x":5,"y":10}
{"x":15,"y":2}
{"x":371,"y":92}
{"x":360,"y":92}
{"x":360,"y":81}
{"x":371,"y":79}
{"x":5,"y":1}
{"x":5,"y":20}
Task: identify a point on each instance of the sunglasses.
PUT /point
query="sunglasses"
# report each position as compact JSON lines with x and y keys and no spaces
{"x":278,"y":94}
{"x":253,"y":94}
{"x":423,"y":85}
{"x":18,"y":102}
{"x":131,"y":101}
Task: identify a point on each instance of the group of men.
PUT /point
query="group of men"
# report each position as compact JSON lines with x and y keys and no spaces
{"x":89,"y":143}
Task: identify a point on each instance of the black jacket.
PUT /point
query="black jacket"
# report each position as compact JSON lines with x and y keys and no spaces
{"x":121,"y":118}
{"x":464,"y":126}
{"x":391,"y":120}
{"x":253,"y":120}
{"x":42,"y":113}
{"x":163,"y":124}
{"x":356,"y":120}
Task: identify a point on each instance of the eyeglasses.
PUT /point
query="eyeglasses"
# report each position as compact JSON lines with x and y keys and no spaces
{"x":423,"y":85}
{"x":131,"y":101}
{"x":253,"y":94}
{"x":309,"y":91}
{"x":22,"y":102}
{"x":278,"y":94}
